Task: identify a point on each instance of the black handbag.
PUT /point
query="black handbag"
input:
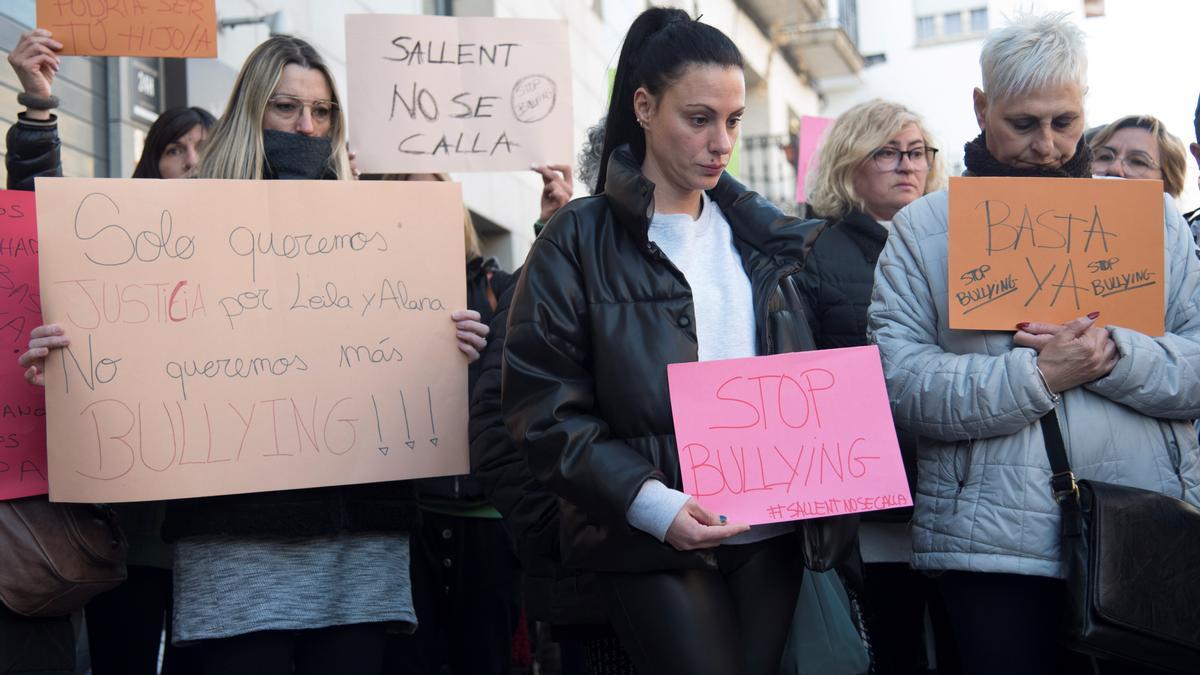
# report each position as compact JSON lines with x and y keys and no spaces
{"x":1133,"y":568}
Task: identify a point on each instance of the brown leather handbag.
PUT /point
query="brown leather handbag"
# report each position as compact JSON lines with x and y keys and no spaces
{"x":55,"y":557}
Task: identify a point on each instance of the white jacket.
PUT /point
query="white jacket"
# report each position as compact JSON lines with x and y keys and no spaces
{"x":983,"y":498}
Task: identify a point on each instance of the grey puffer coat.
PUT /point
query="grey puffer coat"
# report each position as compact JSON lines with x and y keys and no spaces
{"x":983,"y":500}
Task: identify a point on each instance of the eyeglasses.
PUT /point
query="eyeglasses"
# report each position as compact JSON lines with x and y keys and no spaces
{"x":288,"y":107}
{"x":1136,"y":163}
{"x":888,"y":158}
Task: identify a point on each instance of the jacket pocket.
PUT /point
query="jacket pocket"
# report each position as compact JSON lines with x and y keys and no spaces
{"x":962,"y":464}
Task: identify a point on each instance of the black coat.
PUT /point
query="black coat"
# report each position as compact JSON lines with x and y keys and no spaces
{"x":838,"y":276}
{"x":552,"y":592}
{"x":482,"y":274}
{"x":598,"y":314}
{"x":33,"y":149}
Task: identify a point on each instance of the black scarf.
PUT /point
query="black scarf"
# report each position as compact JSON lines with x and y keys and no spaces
{"x":980,"y":162}
{"x":297,"y":157}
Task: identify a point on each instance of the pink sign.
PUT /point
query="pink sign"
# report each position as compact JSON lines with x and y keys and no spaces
{"x":788,"y":437}
{"x":812,"y":130}
{"x":22,"y":405}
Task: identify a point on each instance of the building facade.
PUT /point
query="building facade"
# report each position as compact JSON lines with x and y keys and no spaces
{"x":108,"y":103}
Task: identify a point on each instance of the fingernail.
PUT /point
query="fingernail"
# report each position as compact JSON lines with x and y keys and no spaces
{"x":1094,"y":315}
{"x":722,"y":519}
{"x":1023,"y":325}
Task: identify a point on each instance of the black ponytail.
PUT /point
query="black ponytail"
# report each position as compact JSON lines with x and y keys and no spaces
{"x":660,"y":44}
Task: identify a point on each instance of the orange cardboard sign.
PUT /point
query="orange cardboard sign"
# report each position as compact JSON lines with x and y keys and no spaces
{"x":154,"y":28}
{"x":1054,"y":249}
{"x":245,"y":336}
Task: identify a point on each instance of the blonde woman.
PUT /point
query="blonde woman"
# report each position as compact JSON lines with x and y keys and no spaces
{"x":877,"y":158}
{"x":301,"y":581}
{"x":1139,"y":146}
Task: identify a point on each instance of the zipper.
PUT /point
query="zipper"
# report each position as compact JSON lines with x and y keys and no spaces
{"x":962,"y":477}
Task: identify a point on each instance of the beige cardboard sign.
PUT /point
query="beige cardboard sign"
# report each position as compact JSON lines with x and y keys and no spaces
{"x":437,"y":94}
{"x":245,"y":336}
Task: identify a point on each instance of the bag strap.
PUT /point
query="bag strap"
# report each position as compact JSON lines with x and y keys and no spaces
{"x":1062,"y":479}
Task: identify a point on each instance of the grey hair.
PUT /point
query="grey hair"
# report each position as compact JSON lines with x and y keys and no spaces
{"x":1033,"y":52}
{"x":589,"y":156}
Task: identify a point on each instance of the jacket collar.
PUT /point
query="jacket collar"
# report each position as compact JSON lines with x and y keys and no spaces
{"x":756,"y":222}
{"x":865,"y":232}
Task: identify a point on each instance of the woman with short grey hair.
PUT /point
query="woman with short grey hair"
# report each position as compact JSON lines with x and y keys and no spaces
{"x":985,"y":516}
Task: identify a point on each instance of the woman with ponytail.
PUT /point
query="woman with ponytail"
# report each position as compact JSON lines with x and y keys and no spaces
{"x":671,"y":260}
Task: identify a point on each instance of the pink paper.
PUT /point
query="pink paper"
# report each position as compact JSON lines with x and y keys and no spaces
{"x":788,"y":437}
{"x":812,"y":130}
{"x":22,"y":405}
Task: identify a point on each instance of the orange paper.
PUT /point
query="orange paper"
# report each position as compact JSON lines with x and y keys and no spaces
{"x":166,"y":28}
{"x":244,"y":336}
{"x":1054,"y":249}
{"x":436,"y":94}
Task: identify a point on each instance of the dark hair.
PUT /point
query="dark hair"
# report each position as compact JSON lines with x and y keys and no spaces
{"x":168,"y":128}
{"x":1196,"y":120}
{"x":659,"y":46}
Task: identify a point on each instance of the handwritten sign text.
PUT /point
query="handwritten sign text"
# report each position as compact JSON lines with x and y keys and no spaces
{"x":435,"y":94}
{"x":788,"y":437}
{"x":1054,"y":249}
{"x":241,"y":336}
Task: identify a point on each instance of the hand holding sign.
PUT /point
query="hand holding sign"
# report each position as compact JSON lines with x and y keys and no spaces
{"x":695,"y":527}
{"x":41,"y":341}
{"x":35,"y":61}
{"x":787,"y":437}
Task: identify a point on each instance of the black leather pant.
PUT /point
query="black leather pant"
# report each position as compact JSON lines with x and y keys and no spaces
{"x":727,"y":620}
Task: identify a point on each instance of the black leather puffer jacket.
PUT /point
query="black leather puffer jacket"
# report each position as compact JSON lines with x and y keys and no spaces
{"x":33,"y":150}
{"x":598,"y":314}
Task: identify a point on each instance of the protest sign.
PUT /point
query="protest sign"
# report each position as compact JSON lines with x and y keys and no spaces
{"x":1055,"y":249}
{"x":432,"y":94}
{"x":243,"y":336}
{"x":154,"y":28}
{"x":22,"y":405}
{"x":787,"y":437}
{"x":812,"y":132}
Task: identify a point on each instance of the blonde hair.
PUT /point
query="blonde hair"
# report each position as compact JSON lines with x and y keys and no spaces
{"x":234,"y":148}
{"x":470,"y":235}
{"x":1172,"y":159}
{"x":851,"y":140}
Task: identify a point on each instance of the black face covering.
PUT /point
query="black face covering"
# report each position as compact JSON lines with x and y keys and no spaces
{"x":297,"y":157}
{"x":980,"y":162}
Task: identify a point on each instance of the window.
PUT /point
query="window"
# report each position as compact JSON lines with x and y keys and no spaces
{"x":925,"y":28}
{"x":979,"y":20}
{"x":952,"y":23}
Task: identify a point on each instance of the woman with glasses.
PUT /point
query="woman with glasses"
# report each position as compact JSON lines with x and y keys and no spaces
{"x":296,"y":581}
{"x":124,"y":625}
{"x":986,"y":520}
{"x":877,"y":158}
{"x":1139,"y":146}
